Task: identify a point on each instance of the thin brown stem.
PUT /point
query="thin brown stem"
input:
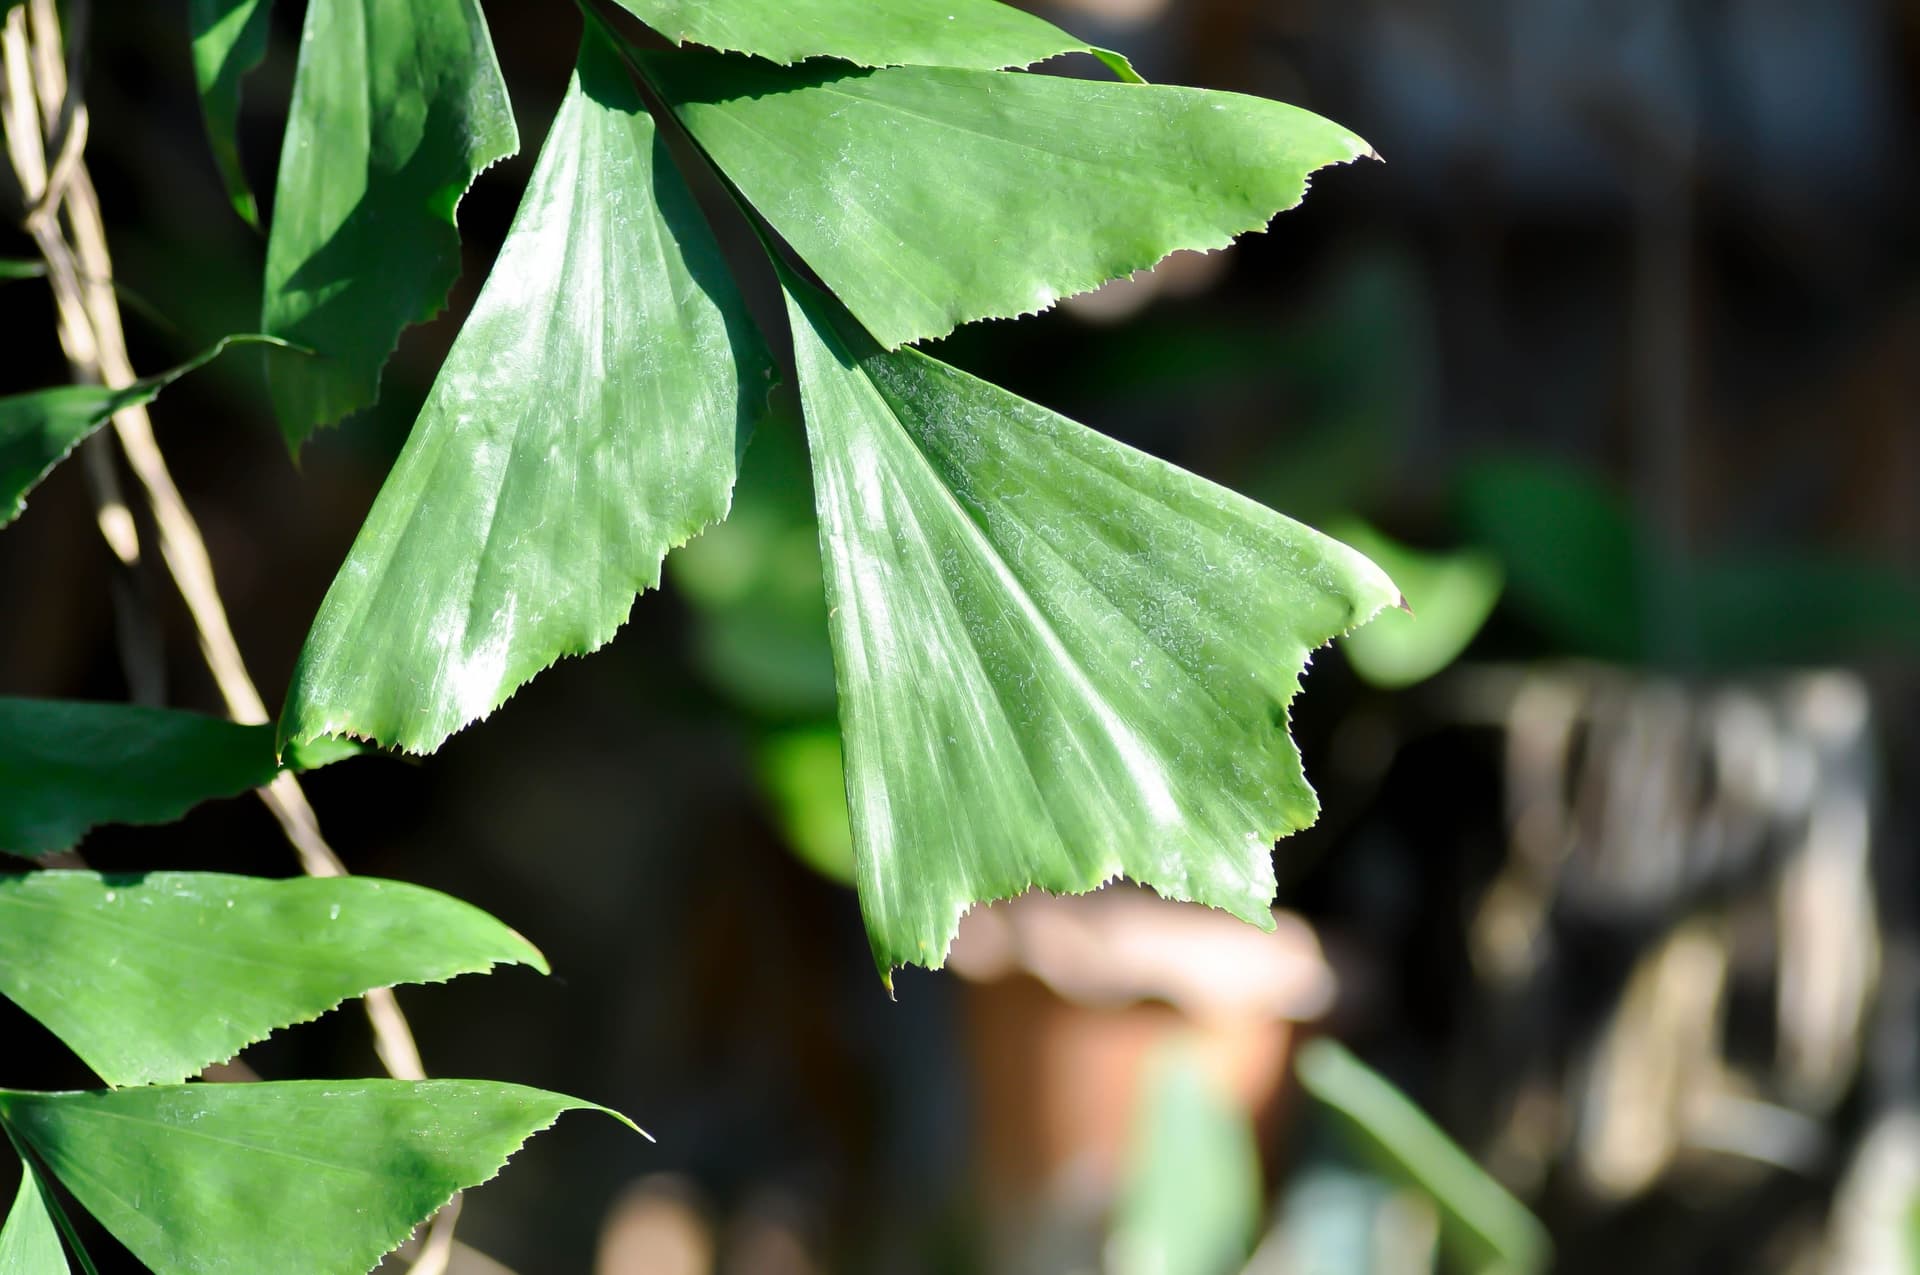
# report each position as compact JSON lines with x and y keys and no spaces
{"x":36,"y":112}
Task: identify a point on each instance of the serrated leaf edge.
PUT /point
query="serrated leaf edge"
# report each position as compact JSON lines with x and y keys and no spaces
{"x":1272,"y":834}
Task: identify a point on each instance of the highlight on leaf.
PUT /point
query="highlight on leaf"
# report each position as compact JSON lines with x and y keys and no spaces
{"x":982,"y":34}
{"x":1060,"y":660}
{"x":928,"y":197}
{"x":589,"y":418}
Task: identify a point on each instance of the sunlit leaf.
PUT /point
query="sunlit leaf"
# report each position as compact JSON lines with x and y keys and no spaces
{"x":40,"y":428}
{"x":1059,"y":659}
{"x":153,"y":977}
{"x":67,"y":766}
{"x":29,"y":1245}
{"x":229,"y":40}
{"x":317,"y":1176}
{"x":1449,"y":597}
{"x":396,"y":109}
{"x":589,"y":417}
{"x":1481,"y":1224}
{"x":926,"y":197}
{"x":971,"y":33}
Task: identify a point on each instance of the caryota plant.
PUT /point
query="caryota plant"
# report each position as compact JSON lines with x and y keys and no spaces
{"x":1059,"y":660}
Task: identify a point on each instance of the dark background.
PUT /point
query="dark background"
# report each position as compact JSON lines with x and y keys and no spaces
{"x":1632,"y":306}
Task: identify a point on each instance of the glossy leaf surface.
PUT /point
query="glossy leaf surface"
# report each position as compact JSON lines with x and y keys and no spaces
{"x":29,"y":1244}
{"x":926,"y":197}
{"x":1059,"y":659}
{"x":229,"y":40}
{"x":317,"y":1176}
{"x":152,"y":977}
{"x":67,"y":766}
{"x":589,"y":417}
{"x":40,"y":428}
{"x":971,"y":33}
{"x":396,"y":109}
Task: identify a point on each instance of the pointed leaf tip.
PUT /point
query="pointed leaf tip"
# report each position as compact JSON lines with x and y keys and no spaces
{"x":341,"y":1171}
{"x":29,"y":1242}
{"x":41,"y":428}
{"x":203,"y":964}
{"x":1043,"y":186}
{"x":229,"y":40}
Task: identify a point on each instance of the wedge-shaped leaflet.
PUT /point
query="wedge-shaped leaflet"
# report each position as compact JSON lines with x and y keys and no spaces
{"x":152,"y":977}
{"x":926,"y":197}
{"x":972,"y":33}
{"x":589,"y":418}
{"x":39,"y":429}
{"x":67,"y":766}
{"x":1059,"y":659}
{"x":397,"y":107}
{"x":316,"y":1176}
{"x":229,"y":39}
{"x":29,"y":1245}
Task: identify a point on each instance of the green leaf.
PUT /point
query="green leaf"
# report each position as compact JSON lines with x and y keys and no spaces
{"x":1059,"y":659}
{"x":396,"y":109}
{"x":589,"y":417}
{"x":982,"y":34}
{"x":40,"y":428}
{"x":1599,"y":582}
{"x":803,"y":776}
{"x":1449,"y":597}
{"x":1481,"y":1224}
{"x":153,"y":977}
{"x":229,"y":40}
{"x":67,"y":766}
{"x":926,"y":197}
{"x":12,"y":268}
{"x":316,"y":1176}
{"x":1191,"y":1199}
{"x":1572,"y":553}
{"x":29,"y":1245}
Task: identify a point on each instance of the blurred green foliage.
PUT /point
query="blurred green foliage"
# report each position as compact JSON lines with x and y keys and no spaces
{"x":1192,"y":1197}
{"x":1483,"y":1229}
